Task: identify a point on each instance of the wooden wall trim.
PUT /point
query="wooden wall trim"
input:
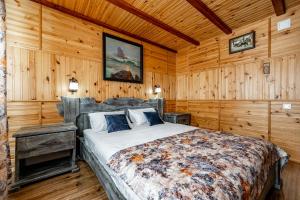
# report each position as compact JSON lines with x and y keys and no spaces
{"x":98,"y":22}
{"x":41,"y":28}
{"x":269,"y":38}
{"x":209,"y":14}
{"x":131,"y":9}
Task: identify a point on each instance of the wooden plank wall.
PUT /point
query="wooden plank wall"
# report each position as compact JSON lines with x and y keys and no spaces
{"x":285,"y":127}
{"x":229,"y":92}
{"x":45,"y":48}
{"x":245,"y":118}
{"x":204,"y":113}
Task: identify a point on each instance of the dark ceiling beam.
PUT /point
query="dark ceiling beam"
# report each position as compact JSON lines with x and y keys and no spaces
{"x":98,"y":22}
{"x":279,"y":7}
{"x":209,"y":14}
{"x":133,"y":10}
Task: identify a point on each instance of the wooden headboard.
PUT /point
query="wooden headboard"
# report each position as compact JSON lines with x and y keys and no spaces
{"x":80,"y":112}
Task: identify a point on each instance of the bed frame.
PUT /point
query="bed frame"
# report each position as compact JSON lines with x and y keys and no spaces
{"x":82,"y":122}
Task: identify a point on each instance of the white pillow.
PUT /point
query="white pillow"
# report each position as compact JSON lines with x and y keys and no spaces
{"x":137,"y":116}
{"x":98,"y":121}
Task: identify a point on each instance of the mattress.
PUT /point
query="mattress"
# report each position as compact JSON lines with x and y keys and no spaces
{"x":104,"y":145}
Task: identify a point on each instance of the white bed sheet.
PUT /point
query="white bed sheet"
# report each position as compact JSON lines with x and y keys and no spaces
{"x":104,"y":145}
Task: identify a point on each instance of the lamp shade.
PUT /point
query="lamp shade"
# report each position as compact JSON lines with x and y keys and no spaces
{"x":157,"y":89}
{"x":73,"y":85}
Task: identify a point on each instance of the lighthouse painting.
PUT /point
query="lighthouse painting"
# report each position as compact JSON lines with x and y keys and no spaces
{"x":122,"y":60}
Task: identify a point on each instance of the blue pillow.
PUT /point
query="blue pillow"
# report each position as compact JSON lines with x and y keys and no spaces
{"x":116,"y":123}
{"x":153,"y":118}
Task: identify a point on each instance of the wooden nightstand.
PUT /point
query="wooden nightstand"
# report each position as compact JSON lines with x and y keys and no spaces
{"x":178,"y":118}
{"x":44,"y":151}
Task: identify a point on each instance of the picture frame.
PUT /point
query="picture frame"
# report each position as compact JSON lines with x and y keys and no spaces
{"x":122,"y":59}
{"x":242,"y":43}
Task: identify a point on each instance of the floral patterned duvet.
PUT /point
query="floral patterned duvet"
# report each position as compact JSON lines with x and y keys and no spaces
{"x":199,"y":164}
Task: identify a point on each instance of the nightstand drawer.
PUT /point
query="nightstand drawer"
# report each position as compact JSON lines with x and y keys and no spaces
{"x":44,"y":144}
{"x":171,"y":119}
{"x":179,"y":118}
{"x":183,"y":120}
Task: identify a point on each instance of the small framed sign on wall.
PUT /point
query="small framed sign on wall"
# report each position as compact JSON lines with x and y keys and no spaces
{"x":242,"y":43}
{"x":122,"y":60}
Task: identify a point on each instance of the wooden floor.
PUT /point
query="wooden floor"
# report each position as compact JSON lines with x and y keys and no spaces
{"x":84,"y":185}
{"x":81,"y":185}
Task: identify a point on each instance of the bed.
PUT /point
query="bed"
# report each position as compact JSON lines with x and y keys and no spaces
{"x":205,"y":165}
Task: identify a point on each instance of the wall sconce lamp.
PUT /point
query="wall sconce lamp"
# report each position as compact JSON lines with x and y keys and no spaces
{"x":266,"y":68}
{"x":157,"y":89}
{"x":73,"y":85}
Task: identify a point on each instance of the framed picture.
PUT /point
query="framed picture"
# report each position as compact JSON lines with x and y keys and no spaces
{"x":242,"y":43}
{"x":122,"y":60}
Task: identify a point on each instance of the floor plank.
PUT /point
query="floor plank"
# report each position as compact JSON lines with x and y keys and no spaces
{"x":83,"y":185}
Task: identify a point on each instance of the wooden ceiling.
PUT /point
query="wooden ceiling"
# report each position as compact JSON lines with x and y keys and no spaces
{"x":179,"y":14}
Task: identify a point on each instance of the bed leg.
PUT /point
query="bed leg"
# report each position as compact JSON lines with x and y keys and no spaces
{"x":277,"y":184}
{"x":75,"y":170}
